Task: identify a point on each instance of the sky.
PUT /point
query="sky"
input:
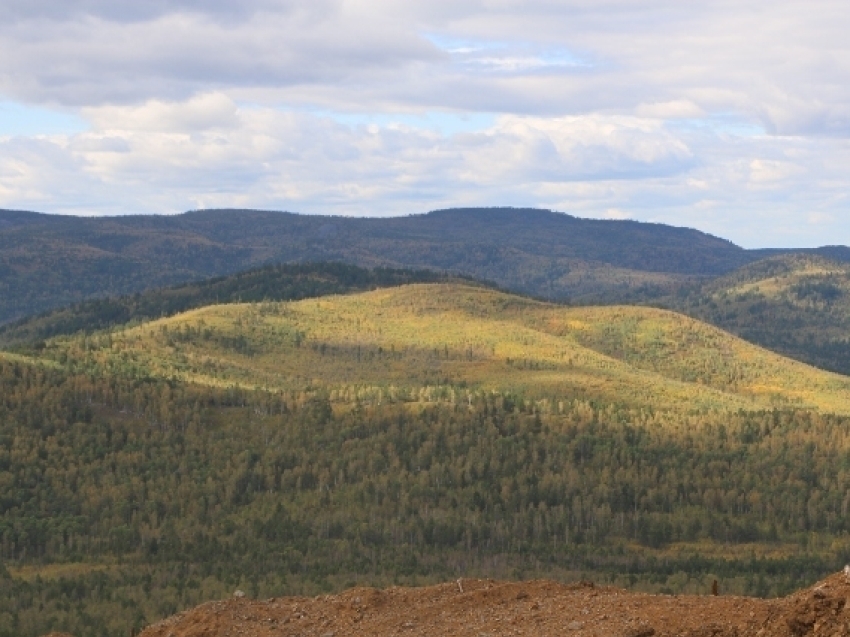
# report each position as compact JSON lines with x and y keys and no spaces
{"x":732,"y":117}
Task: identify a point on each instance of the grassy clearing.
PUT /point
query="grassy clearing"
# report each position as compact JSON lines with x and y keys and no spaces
{"x":30,"y":572}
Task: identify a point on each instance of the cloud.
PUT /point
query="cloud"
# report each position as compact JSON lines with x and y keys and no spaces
{"x":731,"y":117}
{"x":207,"y":147}
{"x":201,"y":112}
{"x":209,"y":152}
{"x":771,"y":172}
{"x":92,"y":57}
{"x":674,"y":109}
{"x":575,"y":148}
{"x":775,"y":63}
{"x":817,"y":218}
{"x":123,"y":11}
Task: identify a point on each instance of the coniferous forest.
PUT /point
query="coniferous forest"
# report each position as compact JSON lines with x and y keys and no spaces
{"x":406,"y":435}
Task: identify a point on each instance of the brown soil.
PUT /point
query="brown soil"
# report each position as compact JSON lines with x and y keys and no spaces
{"x":485,"y":608}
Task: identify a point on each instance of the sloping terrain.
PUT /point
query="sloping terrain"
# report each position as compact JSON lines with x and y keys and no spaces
{"x":269,"y":283}
{"x":480,"y":607}
{"x":48,"y":261}
{"x":409,"y":338}
{"x":798,"y":305}
{"x":404,"y":436}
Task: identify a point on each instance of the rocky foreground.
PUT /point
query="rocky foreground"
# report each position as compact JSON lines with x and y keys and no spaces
{"x":486,"y":608}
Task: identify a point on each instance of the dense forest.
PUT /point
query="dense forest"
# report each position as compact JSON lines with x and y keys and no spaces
{"x":406,"y":435}
{"x":50,"y":261}
{"x":130,"y":499}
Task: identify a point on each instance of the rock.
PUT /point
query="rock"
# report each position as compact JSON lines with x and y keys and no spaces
{"x":575,"y":625}
{"x":239,"y":594}
{"x":640,"y":631}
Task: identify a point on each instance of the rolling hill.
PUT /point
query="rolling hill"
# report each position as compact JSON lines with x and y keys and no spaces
{"x":797,"y":304}
{"x":413,"y":337}
{"x":268,"y":283}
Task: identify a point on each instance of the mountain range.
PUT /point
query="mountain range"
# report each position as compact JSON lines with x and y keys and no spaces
{"x":48,"y":261}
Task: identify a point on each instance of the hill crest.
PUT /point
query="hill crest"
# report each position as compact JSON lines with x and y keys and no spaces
{"x":424,"y":335}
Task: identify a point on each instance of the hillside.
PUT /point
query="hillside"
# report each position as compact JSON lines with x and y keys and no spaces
{"x":798,"y":305}
{"x":48,"y":261}
{"x":409,"y":338}
{"x":409,"y":436}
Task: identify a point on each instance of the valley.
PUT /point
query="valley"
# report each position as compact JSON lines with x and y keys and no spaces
{"x":395,"y":319}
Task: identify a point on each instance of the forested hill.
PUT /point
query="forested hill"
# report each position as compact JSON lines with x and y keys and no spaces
{"x":283,"y":282}
{"x":49,"y":261}
{"x":402,"y":436}
{"x":795,"y":304}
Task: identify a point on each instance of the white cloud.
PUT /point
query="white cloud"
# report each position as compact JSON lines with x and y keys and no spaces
{"x":201,"y":112}
{"x":674,"y":109}
{"x":777,"y":63}
{"x":818,"y":218}
{"x":765,"y":172}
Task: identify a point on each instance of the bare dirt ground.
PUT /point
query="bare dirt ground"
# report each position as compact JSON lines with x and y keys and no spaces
{"x":486,"y":608}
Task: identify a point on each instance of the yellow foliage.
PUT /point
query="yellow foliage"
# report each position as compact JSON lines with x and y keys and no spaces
{"x":407,"y":339}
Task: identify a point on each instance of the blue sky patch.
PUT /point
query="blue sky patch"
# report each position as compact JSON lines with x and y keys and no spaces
{"x":17,"y":119}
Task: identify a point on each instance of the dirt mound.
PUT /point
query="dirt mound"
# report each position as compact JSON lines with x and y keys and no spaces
{"x":819,"y":610}
{"x":485,"y":608}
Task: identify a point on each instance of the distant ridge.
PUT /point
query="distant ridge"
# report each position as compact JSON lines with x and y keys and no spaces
{"x":49,"y":261}
{"x":794,"y":304}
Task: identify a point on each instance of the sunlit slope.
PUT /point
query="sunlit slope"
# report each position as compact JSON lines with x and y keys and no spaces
{"x":419,"y":336}
{"x":800,"y":279}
